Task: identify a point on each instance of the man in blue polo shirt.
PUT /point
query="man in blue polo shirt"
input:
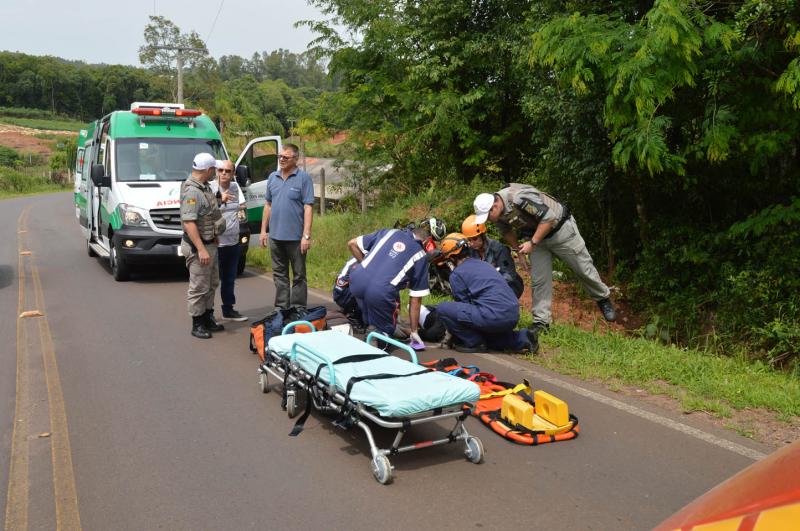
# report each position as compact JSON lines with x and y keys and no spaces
{"x":389,"y":260}
{"x":286,"y":222}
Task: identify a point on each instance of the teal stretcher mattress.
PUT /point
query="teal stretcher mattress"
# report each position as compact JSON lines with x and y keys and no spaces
{"x":392,"y":397}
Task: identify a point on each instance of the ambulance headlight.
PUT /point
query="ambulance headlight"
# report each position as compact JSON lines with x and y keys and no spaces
{"x":132,"y":216}
{"x":242,"y":215}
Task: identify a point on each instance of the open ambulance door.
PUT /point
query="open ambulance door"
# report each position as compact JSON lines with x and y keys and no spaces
{"x":258,"y":159}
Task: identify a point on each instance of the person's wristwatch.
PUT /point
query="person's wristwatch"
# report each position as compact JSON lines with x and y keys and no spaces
{"x":306,"y":236}
{"x":534,"y":242}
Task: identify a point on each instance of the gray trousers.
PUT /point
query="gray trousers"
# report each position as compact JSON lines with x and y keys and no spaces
{"x":284,"y":254}
{"x":203,"y":279}
{"x":568,"y":245}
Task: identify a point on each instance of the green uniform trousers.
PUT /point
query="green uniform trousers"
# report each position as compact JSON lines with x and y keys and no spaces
{"x":568,"y":245}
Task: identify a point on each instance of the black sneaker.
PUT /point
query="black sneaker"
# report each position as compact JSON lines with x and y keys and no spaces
{"x":233,"y":315}
{"x":469,"y":350}
{"x":609,"y":313}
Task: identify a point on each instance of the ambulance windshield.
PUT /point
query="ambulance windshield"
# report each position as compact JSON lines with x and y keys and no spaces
{"x":161,"y":159}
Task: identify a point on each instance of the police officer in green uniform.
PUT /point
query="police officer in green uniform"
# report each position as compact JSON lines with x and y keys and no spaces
{"x":202,"y":223}
{"x":521,"y":212}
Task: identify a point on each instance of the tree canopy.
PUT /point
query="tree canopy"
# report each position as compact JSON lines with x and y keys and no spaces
{"x":668,"y":126}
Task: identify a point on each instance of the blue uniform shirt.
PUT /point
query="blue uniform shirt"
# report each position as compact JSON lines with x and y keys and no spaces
{"x":478,"y":283}
{"x":286,"y":199}
{"x":395,"y":259}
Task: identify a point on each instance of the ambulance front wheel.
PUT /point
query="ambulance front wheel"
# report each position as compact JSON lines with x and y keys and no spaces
{"x":382,"y":469}
{"x":474,"y":450}
{"x":119,"y":267}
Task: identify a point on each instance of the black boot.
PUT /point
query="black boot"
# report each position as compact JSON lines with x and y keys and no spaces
{"x":609,"y":313}
{"x":532,"y":346}
{"x":212,"y":323}
{"x":199,"y":328}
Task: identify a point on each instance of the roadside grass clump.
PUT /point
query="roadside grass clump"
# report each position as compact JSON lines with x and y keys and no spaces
{"x":14,"y":183}
{"x":700,"y":380}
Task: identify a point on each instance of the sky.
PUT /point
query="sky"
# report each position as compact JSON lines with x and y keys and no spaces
{"x":111,"y":31}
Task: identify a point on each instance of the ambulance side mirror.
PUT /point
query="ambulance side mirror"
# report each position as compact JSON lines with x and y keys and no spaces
{"x":99,"y":177}
{"x":243,"y":175}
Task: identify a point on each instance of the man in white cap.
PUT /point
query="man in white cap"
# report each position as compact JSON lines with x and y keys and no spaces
{"x":521,"y":212}
{"x":202,"y":223}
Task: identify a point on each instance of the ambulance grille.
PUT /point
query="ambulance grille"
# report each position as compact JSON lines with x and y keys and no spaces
{"x":166,"y":218}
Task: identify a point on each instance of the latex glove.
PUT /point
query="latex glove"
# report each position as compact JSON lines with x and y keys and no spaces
{"x":416,"y":342}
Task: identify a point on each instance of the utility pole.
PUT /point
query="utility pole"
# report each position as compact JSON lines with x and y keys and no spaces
{"x":179,"y":51}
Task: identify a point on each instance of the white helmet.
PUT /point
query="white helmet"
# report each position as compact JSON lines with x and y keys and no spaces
{"x":435,"y":226}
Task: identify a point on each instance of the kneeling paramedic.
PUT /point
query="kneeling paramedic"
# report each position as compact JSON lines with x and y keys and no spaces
{"x":202,"y":223}
{"x":485,"y":310}
{"x":390,"y":260}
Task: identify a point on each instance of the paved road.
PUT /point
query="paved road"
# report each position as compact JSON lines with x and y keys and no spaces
{"x":159,"y":430}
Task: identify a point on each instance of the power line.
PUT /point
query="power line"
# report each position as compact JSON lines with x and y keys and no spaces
{"x":213,"y":24}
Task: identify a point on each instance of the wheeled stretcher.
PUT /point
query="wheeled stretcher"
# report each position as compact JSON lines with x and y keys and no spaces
{"x":355,"y":382}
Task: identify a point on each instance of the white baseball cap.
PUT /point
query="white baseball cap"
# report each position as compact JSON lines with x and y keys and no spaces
{"x":204,"y":161}
{"x":483,"y":204}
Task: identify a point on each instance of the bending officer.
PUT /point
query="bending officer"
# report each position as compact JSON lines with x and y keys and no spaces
{"x":546,"y":227}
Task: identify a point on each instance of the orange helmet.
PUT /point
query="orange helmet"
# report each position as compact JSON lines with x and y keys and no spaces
{"x":453,"y":244}
{"x":470,"y":229}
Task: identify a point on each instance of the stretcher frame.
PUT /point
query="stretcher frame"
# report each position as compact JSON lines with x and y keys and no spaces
{"x":328,"y":399}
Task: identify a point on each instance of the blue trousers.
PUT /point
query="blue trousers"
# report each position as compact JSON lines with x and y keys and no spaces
{"x":228,"y":263}
{"x":470,"y":328}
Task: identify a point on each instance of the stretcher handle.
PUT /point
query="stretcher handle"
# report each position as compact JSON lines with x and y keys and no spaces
{"x":297,"y":345}
{"x":291,"y":326}
{"x":394,"y":342}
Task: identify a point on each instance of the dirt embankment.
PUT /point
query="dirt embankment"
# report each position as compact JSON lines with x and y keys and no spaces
{"x":24,"y":140}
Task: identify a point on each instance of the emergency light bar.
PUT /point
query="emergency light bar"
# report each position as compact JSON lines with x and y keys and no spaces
{"x":155,"y":105}
{"x":166,"y":111}
{"x":155,"y":111}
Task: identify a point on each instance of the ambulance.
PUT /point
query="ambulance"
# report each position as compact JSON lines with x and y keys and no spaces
{"x":129,"y":170}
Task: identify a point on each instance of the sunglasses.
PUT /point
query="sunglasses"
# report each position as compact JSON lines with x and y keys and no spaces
{"x":284,"y":157}
{"x":224,"y":171}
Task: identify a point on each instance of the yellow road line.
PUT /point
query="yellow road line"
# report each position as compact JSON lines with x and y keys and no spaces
{"x":66,"y":495}
{"x":17,"y":495}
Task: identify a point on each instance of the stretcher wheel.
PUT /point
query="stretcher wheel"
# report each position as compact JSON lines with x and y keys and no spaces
{"x":295,"y":402}
{"x":474,"y":450}
{"x":263,"y":382}
{"x":382,"y":469}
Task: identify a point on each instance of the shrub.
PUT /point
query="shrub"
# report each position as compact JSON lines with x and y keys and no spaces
{"x":9,"y":157}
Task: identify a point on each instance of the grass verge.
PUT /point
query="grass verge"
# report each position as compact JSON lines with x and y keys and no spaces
{"x":700,"y":381}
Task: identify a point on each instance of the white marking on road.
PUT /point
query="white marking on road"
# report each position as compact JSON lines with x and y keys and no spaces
{"x":633,"y":410}
{"x":622,"y":406}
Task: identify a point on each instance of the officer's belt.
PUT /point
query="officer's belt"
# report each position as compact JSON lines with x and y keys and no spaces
{"x":564,"y":217}
{"x":191,"y":243}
